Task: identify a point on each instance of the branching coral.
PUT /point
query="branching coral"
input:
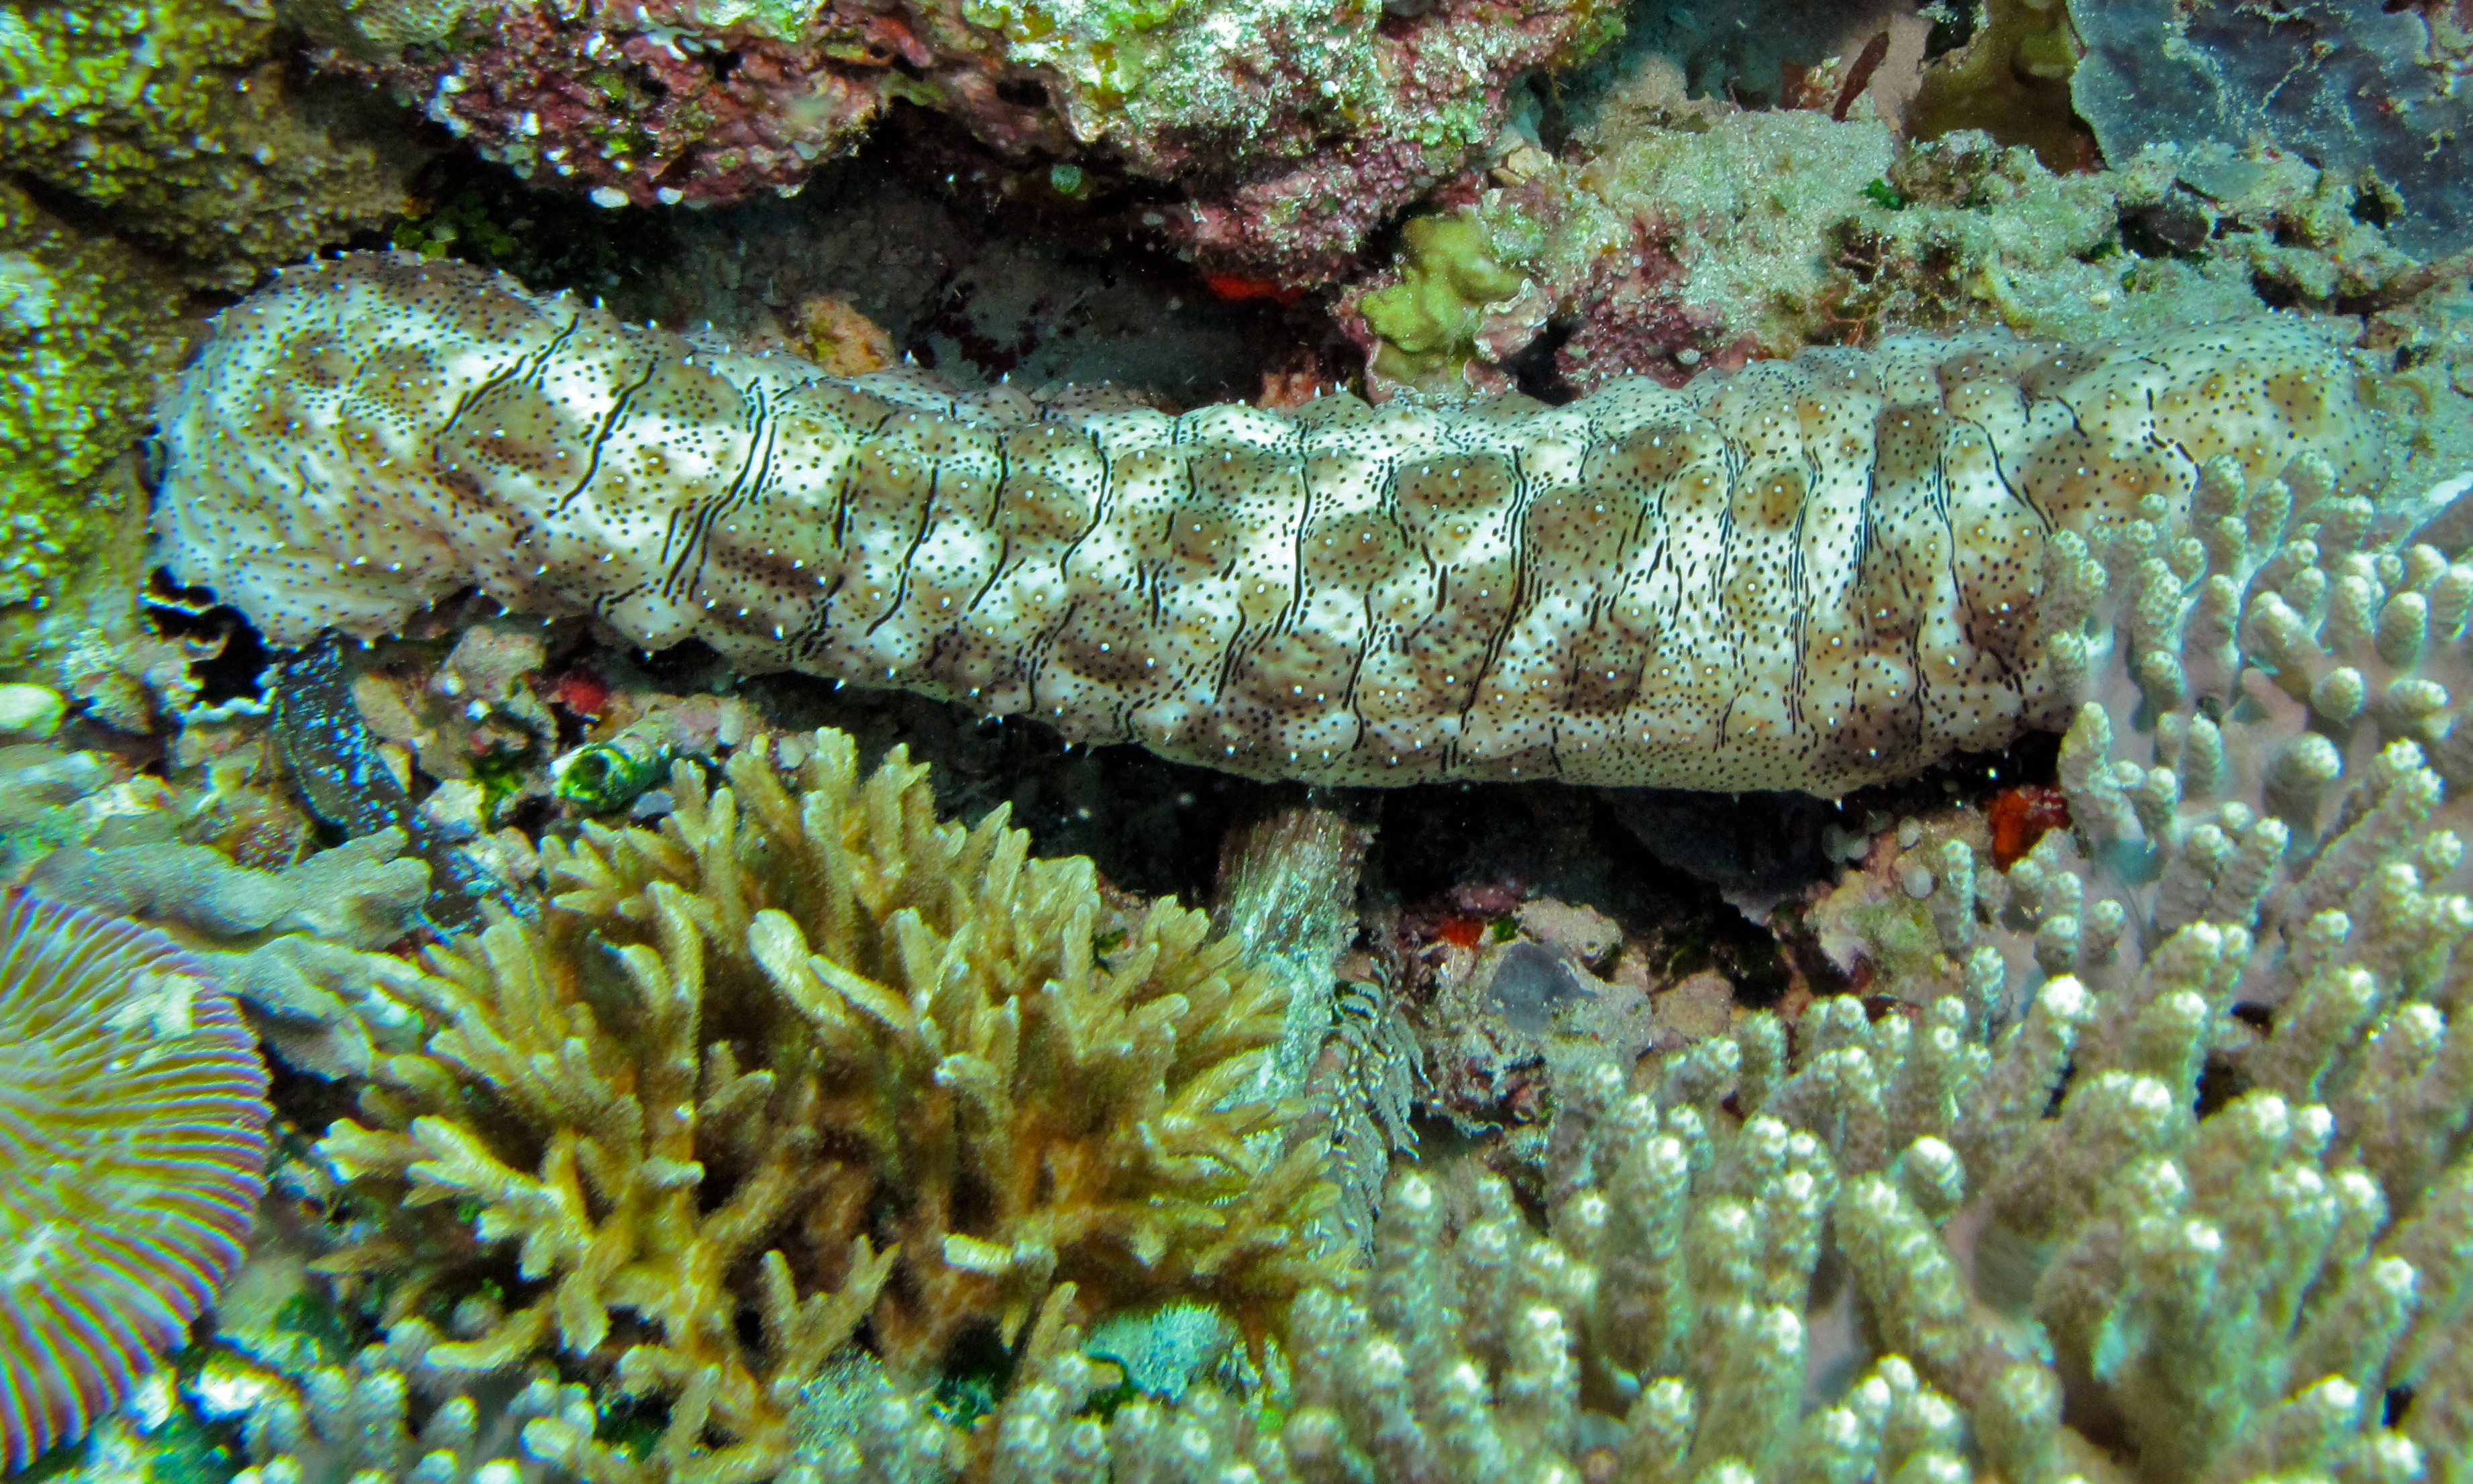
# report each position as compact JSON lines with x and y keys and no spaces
{"x":809,"y":1055}
{"x":1862,"y":1248}
{"x":1910,"y":1260}
{"x":355,"y":1420}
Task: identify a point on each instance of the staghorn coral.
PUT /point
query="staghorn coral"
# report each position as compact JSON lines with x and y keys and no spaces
{"x":807,"y":1053}
{"x":355,"y":1420}
{"x":133,"y":1154}
{"x":1911,"y":1247}
{"x":1808,"y":575}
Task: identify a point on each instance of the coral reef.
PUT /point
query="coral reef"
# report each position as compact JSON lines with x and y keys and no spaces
{"x":2370,"y":93}
{"x":665,"y":1098}
{"x":132,"y":1159}
{"x":84,"y":330}
{"x":354,"y":1420}
{"x":178,"y":120}
{"x":1681,"y":234}
{"x":808,"y":1054}
{"x":1913,"y":1246}
{"x":1293,"y":127}
{"x":1754,"y":581}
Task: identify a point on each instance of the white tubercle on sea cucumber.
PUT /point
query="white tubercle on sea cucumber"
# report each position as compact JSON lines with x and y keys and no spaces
{"x":1808,"y":574}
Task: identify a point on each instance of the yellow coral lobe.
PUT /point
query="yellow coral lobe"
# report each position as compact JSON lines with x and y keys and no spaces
{"x":1812,"y":574}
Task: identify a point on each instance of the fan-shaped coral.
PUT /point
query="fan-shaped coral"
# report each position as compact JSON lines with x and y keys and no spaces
{"x":133,"y":1150}
{"x":815,"y":1058}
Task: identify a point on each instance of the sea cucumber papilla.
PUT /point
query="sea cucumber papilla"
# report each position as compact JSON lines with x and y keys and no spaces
{"x":1808,"y":574}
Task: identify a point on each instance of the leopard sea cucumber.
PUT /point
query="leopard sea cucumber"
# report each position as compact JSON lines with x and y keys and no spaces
{"x":1808,"y":574}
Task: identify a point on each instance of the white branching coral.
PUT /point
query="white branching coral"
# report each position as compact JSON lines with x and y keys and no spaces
{"x":1782,"y":1267}
{"x":808,"y":1054}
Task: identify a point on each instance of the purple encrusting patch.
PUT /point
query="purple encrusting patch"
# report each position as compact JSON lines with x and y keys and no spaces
{"x":132,"y":1155}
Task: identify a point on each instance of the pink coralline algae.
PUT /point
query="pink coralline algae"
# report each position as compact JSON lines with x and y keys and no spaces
{"x":643,"y":112}
{"x":1293,"y":127}
{"x":1296,"y":201}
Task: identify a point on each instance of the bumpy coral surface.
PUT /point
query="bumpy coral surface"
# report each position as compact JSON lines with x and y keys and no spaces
{"x":83,"y":329}
{"x":1294,"y":125}
{"x":1807,"y":575}
{"x":807,"y":1054}
{"x":179,"y":119}
{"x":132,"y":1151}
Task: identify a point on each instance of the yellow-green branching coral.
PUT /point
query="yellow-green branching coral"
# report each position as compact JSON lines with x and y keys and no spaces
{"x":807,"y":1052}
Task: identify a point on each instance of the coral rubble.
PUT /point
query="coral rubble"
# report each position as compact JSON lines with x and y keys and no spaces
{"x":807,"y":1054}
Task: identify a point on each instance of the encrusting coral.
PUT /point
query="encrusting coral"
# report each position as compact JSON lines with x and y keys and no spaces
{"x":1294,"y":128}
{"x":181,"y":120}
{"x":84,"y":330}
{"x":2374,"y":94}
{"x":808,"y":1055}
{"x":1678,"y":234}
{"x":132,"y":1153}
{"x":296,"y":947}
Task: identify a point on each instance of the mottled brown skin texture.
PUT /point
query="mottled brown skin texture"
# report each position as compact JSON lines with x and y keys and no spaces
{"x":1811,"y":574}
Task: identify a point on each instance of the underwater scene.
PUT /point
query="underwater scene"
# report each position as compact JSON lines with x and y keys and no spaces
{"x":1235,"y":742}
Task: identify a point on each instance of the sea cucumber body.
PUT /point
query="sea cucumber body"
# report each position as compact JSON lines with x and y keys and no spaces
{"x":1810,"y":574}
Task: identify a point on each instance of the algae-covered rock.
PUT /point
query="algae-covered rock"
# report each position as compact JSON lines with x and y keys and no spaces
{"x":85,"y":325}
{"x":178,"y":120}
